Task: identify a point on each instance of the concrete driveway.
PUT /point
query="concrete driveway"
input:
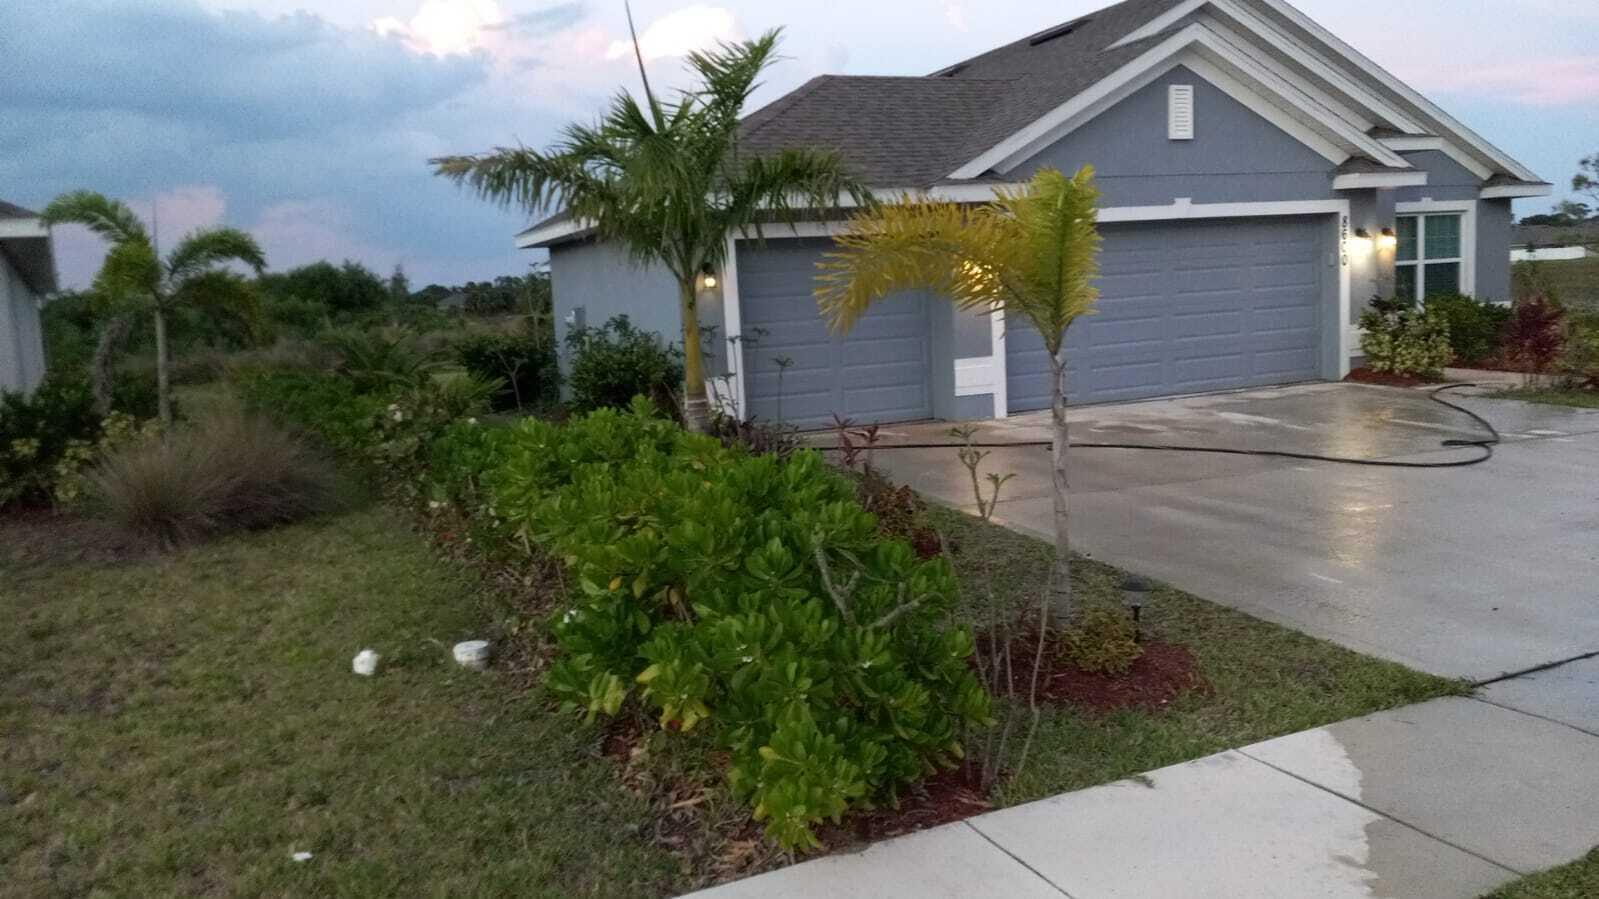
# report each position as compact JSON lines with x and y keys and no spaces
{"x":1473,"y":572}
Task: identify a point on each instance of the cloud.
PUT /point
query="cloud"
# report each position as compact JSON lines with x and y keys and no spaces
{"x":238,"y":73}
{"x":170,"y":215}
{"x":678,"y":33}
{"x":955,"y":13}
{"x":444,"y":27}
{"x":1551,"y":81}
{"x":540,"y":21}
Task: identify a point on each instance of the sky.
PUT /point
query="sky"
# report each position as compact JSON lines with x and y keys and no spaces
{"x":310,"y":122}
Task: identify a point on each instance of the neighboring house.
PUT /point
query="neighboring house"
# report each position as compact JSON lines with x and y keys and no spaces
{"x":27,"y":274}
{"x":1550,"y":243}
{"x":1262,"y":180}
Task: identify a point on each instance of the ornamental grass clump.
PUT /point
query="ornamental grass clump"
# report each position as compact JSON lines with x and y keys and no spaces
{"x":749,"y":597}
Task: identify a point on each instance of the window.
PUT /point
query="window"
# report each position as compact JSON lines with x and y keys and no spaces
{"x":1430,"y":256}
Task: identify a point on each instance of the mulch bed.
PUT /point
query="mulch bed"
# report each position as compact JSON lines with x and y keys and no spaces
{"x":37,"y":536}
{"x":1385,"y":379}
{"x":943,"y":798}
{"x":1160,"y":675}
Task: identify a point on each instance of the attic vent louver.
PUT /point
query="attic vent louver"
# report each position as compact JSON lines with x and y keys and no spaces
{"x":952,"y":71}
{"x":1180,"y":112}
{"x":1057,"y":31}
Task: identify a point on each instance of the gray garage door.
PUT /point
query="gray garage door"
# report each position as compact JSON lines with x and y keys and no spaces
{"x":1186,"y":308}
{"x":877,"y":373}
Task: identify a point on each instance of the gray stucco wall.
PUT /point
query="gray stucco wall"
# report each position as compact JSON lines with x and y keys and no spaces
{"x":593,"y":282}
{"x":1494,"y":227}
{"x":1235,"y":156}
{"x":21,"y":337}
{"x":1446,"y":179}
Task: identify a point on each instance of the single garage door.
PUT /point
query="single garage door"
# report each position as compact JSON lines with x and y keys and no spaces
{"x":879,"y":372}
{"x":1188,"y":307}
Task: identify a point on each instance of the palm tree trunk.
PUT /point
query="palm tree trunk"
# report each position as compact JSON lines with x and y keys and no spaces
{"x":102,"y":370}
{"x":696,"y":408}
{"x":1061,"y":581}
{"x":162,"y":391}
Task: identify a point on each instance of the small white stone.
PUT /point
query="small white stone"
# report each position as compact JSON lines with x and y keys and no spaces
{"x":301,"y":856}
{"x":472,"y":654}
{"x":365,"y":663}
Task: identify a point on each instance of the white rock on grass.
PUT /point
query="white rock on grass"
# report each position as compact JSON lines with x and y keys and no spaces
{"x":473,"y":654}
{"x":365,"y":663}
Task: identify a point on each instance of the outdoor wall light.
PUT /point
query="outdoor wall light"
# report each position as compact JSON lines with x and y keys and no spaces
{"x":1388,"y":240}
{"x":1360,"y":240}
{"x":708,"y":279}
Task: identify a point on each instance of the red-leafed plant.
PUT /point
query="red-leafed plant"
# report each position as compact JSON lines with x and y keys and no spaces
{"x":1535,"y":334}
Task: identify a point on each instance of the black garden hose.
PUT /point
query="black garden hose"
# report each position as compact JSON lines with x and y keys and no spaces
{"x":1485,"y":445}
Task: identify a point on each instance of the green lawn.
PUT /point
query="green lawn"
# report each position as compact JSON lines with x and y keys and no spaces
{"x":181,"y":725}
{"x":1578,"y":880}
{"x":1266,"y":680}
{"x":1582,"y":399}
{"x":1574,"y":281}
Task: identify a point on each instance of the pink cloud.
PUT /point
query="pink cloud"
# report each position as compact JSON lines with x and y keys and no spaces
{"x":169,"y":215}
{"x":1553,"y":81}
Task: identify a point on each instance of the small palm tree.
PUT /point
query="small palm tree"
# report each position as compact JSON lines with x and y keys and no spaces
{"x":1032,"y":253}
{"x":666,"y":181}
{"x":133,"y":272}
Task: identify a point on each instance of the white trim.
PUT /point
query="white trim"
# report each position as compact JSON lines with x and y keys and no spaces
{"x":1426,"y":107}
{"x":1184,"y":209}
{"x":23,"y":229}
{"x":1467,"y":210}
{"x":1368,"y":180}
{"x":1515,"y":191}
{"x":1466,"y":161}
{"x":1001,"y":364}
{"x":733,"y":327}
{"x":1303,"y":118}
{"x":537,"y":237}
{"x":1413,"y":143}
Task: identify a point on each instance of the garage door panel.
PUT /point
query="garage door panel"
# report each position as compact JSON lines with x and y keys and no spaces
{"x":878,"y":372}
{"x":1187,"y":307}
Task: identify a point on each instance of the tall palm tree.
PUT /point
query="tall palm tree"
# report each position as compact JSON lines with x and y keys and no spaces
{"x":1032,"y":253}
{"x":134,"y":272}
{"x":666,"y":180}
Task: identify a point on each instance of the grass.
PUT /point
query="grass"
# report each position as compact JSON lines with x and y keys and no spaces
{"x":1578,"y":880}
{"x":181,"y":724}
{"x":1582,"y":399}
{"x":1267,"y":680}
{"x":1574,"y":281}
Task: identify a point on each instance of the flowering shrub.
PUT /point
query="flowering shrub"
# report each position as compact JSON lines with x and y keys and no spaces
{"x":1397,"y":339}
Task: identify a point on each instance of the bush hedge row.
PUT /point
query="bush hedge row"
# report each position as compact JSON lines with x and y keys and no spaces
{"x":744,"y":596}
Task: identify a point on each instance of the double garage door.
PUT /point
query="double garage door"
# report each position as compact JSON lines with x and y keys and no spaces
{"x":1185,"y":307}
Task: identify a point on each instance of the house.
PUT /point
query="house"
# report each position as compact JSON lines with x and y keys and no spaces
{"x":1261,"y":181}
{"x":1551,"y":243}
{"x":27,"y":274}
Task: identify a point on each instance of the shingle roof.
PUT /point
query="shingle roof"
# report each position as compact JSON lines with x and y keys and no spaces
{"x":913,"y":132}
{"x":13,"y":211}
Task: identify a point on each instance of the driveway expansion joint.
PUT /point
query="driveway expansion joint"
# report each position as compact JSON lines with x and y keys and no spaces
{"x":1536,"y":669}
{"x":1015,"y":858}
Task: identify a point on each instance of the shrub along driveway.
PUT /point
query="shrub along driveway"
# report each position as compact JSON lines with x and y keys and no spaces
{"x":1473,"y":572}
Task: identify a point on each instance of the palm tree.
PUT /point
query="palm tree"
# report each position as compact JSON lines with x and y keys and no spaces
{"x":666,"y":181}
{"x":134,"y":272}
{"x":1032,"y":253}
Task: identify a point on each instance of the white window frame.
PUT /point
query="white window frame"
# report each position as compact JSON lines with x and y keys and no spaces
{"x":1467,"y":210}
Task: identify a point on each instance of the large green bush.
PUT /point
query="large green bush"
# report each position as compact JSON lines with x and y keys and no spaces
{"x":524,"y":364}
{"x":615,"y":362}
{"x":1402,"y":340}
{"x":1476,"y":328}
{"x":47,"y":435}
{"x":749,"y":595}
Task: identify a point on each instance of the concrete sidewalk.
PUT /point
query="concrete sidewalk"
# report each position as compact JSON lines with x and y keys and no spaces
{"x":1443,"y":800}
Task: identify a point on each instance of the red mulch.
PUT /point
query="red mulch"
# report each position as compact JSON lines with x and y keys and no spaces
{"x":1162,"y":673}
{"x":1385,"y":379}
{"x":943,"y":798}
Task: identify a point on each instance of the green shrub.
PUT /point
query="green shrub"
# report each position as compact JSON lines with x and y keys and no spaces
{"x":36,"y":433}
{"x":327,"y":406}
{"x":379,"y":359}
{"x":221,"y":474}
{"x":615,"y":362}
{"x":1402,"y":340}
{"x":1579,"y":362}
{"x":1476,"y":329}
{"x":750,"y":596}
{"x":524,"y":364}
{"x":1102,"y":640}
